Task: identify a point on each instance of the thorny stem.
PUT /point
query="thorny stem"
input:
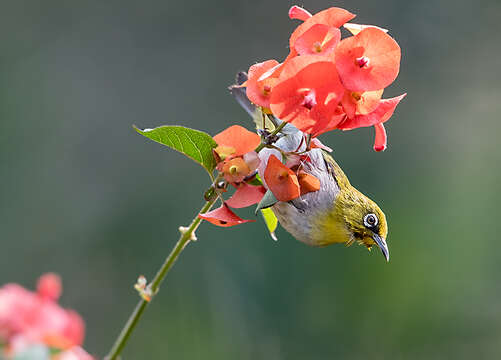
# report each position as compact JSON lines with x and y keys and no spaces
{"x":184,"y":239}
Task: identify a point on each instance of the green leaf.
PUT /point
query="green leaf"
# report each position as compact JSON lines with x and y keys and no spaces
{"x":271,"y":222}
{"x":268,"y":200}
{"x":195,"y":144}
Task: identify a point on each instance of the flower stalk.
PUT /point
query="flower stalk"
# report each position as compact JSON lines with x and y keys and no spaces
{"x":273,"y":134}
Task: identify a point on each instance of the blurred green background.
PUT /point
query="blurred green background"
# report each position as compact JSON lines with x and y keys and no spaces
{"x":83,"y":195}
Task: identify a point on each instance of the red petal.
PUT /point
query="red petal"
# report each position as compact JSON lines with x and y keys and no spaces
{"x":239,"y":138}
{"x":308,"y":183}
{"x":246,"y":195}
{"x":302,"y":75}
{"x":333,"y":17}
{"x":380,"y":138}
{"x":384,"y":60}
{"x":382,"y":113}
{"x":281,"y":180}
{"x":369,"y":102}
{"x":318,"y":40}
{"x":316,"y":143}
{"x":349,"y":106}
{"x":331,"y":125}
{"x":296,"y":12}
{"x":223,"y":217}
{"x":256,"y":85}
{"x":356,"y":28}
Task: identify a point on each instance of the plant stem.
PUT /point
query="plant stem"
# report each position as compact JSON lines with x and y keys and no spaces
{"x":275,"y":132}
{"x":184,"y":239}
{"x":186,"y":236}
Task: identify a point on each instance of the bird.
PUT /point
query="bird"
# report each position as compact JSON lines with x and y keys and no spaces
{"x":337,"y":212}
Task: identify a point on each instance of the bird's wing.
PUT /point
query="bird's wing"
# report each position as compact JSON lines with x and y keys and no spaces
{"x":270,"y":122}
{"x":239,"y":93}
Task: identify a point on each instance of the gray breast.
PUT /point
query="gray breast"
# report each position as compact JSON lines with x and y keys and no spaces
{"x":297,"y":216}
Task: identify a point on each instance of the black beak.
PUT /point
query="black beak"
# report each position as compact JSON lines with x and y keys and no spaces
{"x":382,"y":245}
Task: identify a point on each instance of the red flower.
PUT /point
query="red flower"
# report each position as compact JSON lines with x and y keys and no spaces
{"x":281,"y":180}
{"x":36,"y":317}
{"x":308,"y":93}
{"x":236,"y":141}
{"x":320,"y":39}
{"x":260,"y":82}
{"x":381,"y":114}
{"x":368,"y":61}
{"x":223,"y":216}
{"x":235,"y":170}
{"x":360,"y":103}
{"x":246,"y":195}
{"x":332,"y":17}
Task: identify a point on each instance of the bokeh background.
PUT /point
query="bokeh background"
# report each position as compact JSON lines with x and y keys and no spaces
{"x":83,"y":195}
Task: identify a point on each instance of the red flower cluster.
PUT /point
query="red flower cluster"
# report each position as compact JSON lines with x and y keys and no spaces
{"x":326,"y":83}
{"x":29,"y":319}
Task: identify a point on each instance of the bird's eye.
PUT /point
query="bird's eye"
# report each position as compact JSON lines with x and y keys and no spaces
{"x":370,"y":220}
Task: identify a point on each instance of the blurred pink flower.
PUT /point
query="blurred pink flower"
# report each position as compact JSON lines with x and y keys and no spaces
{"x":36,"y":317}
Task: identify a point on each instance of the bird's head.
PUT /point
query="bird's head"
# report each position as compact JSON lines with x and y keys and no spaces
{"x":364,"y":222}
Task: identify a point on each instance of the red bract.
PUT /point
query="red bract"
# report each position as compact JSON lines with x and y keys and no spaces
{"x":356,"y":28}
{"x":316,"y":143}
{"x":238,"y":138}
{"x":260,"y":84}
{"x":246,"y":195}
{"x":37,"y":318}
{"x":320,"y":39}
{"x":332,"y":17}
{"x":223,"y":217}
{"x":308,"y":183}
{"x":382,"y":113}
{"x":355,"y":103}
{"x":338,"y":118}
{"x":368,"y":61}
{"x":296,"y":12}
{"x":281,"y":180}
{"x":308,"y":93}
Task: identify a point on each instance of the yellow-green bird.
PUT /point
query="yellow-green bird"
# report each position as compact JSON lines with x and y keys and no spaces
{"x":337,"y":212}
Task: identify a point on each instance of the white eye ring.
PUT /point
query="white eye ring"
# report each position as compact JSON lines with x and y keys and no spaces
{"x":370,"y":218}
